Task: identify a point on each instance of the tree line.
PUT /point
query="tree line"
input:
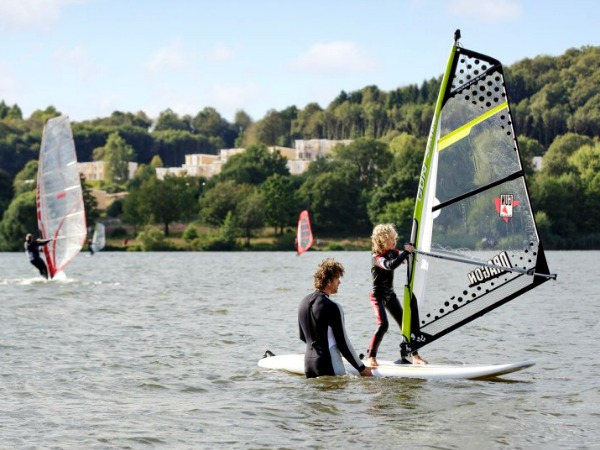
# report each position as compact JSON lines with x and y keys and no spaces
{"x":556,"y":108}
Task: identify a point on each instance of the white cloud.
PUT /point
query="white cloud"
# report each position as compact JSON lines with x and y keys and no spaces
{"x":16,"y":14}
{"x":339,"y":57}
{"x":486,"y":10}
{"x":220,"y":53}
{"x":76,"y":59}
{"x":171,"y":58}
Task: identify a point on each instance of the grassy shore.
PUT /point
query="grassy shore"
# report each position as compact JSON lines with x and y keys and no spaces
{"x":128,"y":239}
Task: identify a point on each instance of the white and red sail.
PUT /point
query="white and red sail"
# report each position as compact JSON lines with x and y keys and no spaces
{"x":304,"y":237}
{"x":60,"y":209}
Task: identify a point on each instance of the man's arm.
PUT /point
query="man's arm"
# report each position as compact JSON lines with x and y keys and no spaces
{"x":341,"y":338}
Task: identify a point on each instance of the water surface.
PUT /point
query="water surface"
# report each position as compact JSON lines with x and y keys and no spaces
{"x":159,"y":350}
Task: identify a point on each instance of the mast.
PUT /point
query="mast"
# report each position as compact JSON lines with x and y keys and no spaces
{"x":421,"y":238}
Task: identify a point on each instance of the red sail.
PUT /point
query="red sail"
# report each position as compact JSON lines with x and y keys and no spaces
{"x":304,"y":238}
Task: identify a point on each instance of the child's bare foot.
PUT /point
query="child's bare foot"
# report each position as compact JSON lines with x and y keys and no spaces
{"x":416,"y":359}
{"x":373,"y":362}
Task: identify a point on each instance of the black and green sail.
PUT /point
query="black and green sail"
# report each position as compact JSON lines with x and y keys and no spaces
{"x":472,"y":208}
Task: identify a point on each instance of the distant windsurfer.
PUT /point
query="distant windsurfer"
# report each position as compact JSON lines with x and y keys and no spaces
{"x":32,"y":248}
{"x":385,"y":259}
{"x":90,"y":247}
{"x":321,"y":322}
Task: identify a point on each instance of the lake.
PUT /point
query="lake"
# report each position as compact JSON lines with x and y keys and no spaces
{"x":160,"y":350}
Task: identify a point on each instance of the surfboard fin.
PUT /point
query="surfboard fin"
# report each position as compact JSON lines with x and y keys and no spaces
{"x":268,"y":353}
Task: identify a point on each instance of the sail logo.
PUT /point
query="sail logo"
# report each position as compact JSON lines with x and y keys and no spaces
{"x":422,"y":182}
{"x":485,"y":273}
{"x":505,"y":205}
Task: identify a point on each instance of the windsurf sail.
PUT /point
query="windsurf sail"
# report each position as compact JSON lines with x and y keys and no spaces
{"x":98,"y":239}
{"x":60,"y":210}
{"x":472,"y":207}
{"x":304,"y":237}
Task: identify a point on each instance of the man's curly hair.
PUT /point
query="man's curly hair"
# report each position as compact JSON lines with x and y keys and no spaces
{"x":382,"y":234}
{"x":327,"y":271}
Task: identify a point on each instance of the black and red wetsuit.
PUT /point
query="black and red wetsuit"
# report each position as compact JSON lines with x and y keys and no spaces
{"x":321,"y":323}
{"x":32,"y":248}
{"x":383,"y":297}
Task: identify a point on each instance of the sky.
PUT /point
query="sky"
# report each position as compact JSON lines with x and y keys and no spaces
{"x":89,"y":58}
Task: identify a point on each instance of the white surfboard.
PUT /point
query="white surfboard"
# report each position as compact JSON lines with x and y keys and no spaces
{"x":294,"y":363}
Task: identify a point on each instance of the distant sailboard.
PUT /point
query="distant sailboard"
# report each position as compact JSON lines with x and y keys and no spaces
{"x":60,"y":209}
{"x":304,"y":237}
{"x":99,"y":238}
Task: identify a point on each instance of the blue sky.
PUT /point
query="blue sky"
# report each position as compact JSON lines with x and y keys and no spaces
{"x":89,"y":58}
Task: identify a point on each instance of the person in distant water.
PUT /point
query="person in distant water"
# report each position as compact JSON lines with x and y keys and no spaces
{"x":90,"y":247}
{"x":321,"y":322}
{"x":32,"y":248}
{"x":385,"y":259}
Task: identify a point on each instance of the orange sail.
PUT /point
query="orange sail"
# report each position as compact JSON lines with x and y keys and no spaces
{"x":304,"y":238}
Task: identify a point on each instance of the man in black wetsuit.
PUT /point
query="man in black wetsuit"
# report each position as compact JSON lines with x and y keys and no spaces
{"x":32,"y":248}
{"x":321,"y":322}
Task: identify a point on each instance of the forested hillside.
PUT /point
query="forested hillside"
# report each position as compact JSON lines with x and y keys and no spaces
{"x":556,"y":108}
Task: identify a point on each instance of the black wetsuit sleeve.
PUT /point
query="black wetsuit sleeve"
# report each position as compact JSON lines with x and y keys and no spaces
{"x":341,"y":339}
{"x":303,"y":318}
{"x":393,"y":262}
{"x":302,"y":337}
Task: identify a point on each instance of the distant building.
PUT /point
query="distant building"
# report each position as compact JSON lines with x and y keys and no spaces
{"x":299,"y":158}
{"x":96,"y":170}
{"x":311,"y":149}
{"x":162,"y":172}
{"x":298,"y":166}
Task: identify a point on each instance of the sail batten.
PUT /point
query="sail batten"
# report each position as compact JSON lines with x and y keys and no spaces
{"x":477,"y":191}
{"x":460,"y":133}
{"x":472,"y":208}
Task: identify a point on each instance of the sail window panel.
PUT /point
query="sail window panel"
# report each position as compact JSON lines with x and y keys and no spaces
{"x":499,"y":217}
{"x":63,"y":202}
{"x":485,"y":154}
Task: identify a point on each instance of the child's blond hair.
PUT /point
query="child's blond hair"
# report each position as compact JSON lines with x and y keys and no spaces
{"x":381,"y":236}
